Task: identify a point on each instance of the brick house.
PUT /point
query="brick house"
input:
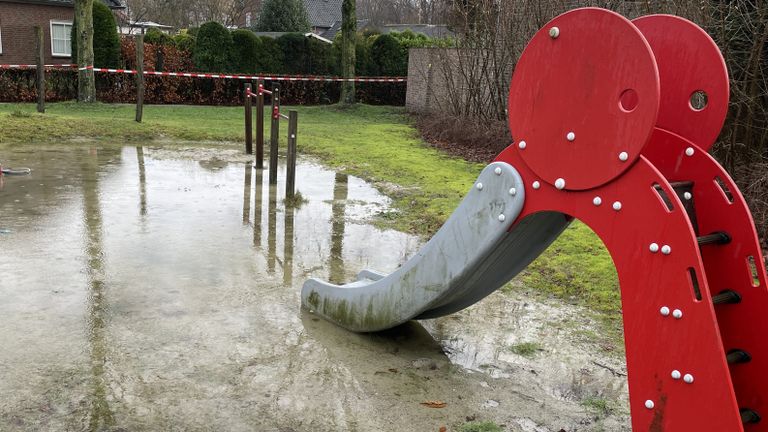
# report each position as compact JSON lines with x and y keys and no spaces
{"x":17,"y":35}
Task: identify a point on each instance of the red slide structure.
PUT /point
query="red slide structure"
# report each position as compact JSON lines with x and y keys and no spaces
{"x":612,"y":121}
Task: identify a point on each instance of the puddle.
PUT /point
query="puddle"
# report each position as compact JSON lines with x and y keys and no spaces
{"x":157,"y":289}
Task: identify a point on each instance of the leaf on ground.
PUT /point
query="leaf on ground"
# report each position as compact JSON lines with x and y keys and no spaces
{"x":434,"y":404}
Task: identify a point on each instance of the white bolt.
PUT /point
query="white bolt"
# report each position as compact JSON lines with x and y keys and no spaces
{"x":676,"y":374}
{"x":688,"y":378}
{"x":664,"y":311}
{"x":522,"y":144}
{"x":554,"y":32}
{"x":513,"y":191}
{"x":617,"y":205}
{"x":536,"y":185}
{"x":497,"y":171}
{"x":677,"y":313}
{"x":689,"y":151}
{"x":571,"y":136}
{"x":666,"y":250}
{"x":502,"y":218}
{"x":687,"y":196}
{"x":649,"y":404}
{"x":623,"y":156}
{"x":293,"y":136}
{"x":654,"y":247}
{"x":560,"y":183}
{"x":479,"y":186}
{"x":597,"y":200}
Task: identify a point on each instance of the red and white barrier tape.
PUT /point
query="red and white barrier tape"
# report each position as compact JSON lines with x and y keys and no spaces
{"x":31,"y":66}
{"x":252,"y":77}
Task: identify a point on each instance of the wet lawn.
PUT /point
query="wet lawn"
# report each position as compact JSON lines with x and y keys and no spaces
{"x":378,"y":144}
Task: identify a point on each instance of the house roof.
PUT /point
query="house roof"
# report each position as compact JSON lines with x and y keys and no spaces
{"x":323,"y":13}
{"x":336,"y":28}
{"x":113,"y":4}
{"x":275,"y":35}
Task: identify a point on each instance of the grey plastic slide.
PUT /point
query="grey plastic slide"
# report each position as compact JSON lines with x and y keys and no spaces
{"x":471,"y":256}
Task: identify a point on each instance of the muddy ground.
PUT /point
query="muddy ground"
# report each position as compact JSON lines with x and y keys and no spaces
{"x":158,"y":289}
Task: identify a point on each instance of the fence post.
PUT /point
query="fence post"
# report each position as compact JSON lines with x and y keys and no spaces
{"x":260,"y":126}
{"x":274,"y":136}
{"x":248,"y":120}
{"x":40,"y":69}
{"x":139,"y":77}
{"x":290,"y":178}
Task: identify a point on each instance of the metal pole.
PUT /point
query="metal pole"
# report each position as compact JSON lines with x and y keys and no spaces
{"x":290,"y":178}
{"x":260,"y":126}
{"x":274,"y":136}
{"x":139,"y":77}
{"x":248,"y":120}
{"x":40,"y":69}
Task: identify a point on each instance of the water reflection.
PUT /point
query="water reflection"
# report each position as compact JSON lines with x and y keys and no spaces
{"x":142,"y":181}
{"x":247,"y":193}
{"x":101,"y":415}
{"x":288,"y":226}
{"x":272,"y":229}
{"x":257,"y":204}
{"x":340,"y":195}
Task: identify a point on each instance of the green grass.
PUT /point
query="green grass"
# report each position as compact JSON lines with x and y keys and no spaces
{"x":599,"y":406}
{"x":486,"y":426}
{"x":526,"y":349}
{"x":378,"y":144}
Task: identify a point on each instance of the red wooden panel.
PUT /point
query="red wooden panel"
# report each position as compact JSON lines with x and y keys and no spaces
{"x":688,"y":61}
{"x":576,"y":83}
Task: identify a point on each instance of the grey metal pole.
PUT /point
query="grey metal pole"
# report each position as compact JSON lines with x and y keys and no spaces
{"x":274,"y":136}
{"x":290,"y":178}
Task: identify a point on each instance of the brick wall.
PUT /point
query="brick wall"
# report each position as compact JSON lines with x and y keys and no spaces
{"x":17,"y":23}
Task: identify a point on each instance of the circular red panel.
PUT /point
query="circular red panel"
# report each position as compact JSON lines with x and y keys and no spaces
{"x":689,"y":61}
{"x":596,"y":83}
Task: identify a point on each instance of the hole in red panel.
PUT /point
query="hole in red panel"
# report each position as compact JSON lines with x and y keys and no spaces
{"x":698,"y":100}
{"x":724,"y":188}
{"x":753,"y":271}
{"x":663,"y":197}
{"x":628,"y":100}
{"x":694,"y":283}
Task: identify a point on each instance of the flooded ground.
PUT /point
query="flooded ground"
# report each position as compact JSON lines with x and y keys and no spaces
{"x":158,"y":289}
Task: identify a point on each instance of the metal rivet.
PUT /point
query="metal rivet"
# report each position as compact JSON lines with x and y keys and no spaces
{"x":522,"y":145}
{"x":560,"y":183}
{"x":666,"y":250}
{"x":676,"y":374}
{"x":688,"y":378}
{"x":687,"y":196}
{"x":497,"y":171}
{"x":689,"y":151}
{"x":623,"y":156}
{"x":597,"y":200}
{"x":479,"y":186}
{"x":502,"y":218}
{"x":649,"y":404}
{"x":571,"y":136}
{"x":536,"y":185}
{"x":664,"y":311}
{"x":654,"y":247}
{"x":554,"y":32}
{"x":293,"y":136}
{"x":677,"y":313}
{"x":617,"y":206}
{"x":513,"y":191}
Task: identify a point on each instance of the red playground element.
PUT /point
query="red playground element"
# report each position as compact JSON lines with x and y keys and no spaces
{"x":612,"y":121}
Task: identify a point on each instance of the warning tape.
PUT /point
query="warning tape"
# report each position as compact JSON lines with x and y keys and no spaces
{"x":252,"y":77}
{"x":31,"y":66}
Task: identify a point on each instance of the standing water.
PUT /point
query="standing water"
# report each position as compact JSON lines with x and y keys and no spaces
{"x":156,"y":289}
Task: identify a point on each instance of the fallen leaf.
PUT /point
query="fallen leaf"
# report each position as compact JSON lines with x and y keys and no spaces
{"x":434,"y":404}
{"x":443,"y":429}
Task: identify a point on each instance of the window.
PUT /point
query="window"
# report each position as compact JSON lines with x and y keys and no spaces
{"x":61,"y":37}
{"x":1,"y":40}
{"x":248,"y":19}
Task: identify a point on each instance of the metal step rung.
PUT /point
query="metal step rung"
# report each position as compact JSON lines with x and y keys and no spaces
{"x":749,"y":416}
{"x":719,"y":237}
{"x":727,"y":297}
{"x":738,"y":356}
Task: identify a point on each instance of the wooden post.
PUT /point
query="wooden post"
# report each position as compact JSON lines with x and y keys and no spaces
{"x":290,"y":178}
{"x":248,"y":120}
{"x":40,"y":69}
{"x":274,"y":136}
{"x":139,"y":77}
{"x":260,"y":126}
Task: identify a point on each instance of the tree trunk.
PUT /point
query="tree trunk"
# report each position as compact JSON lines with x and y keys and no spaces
{"x":348,"y":35}
{"x":86,"y":83}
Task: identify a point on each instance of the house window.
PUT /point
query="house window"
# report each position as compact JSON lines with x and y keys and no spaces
{"x":61,"y":38}
{"x":1,"y":40}
{"x":248,"y":19}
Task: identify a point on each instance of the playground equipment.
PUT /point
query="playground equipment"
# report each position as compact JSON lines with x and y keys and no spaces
{"x":612,"y":120}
